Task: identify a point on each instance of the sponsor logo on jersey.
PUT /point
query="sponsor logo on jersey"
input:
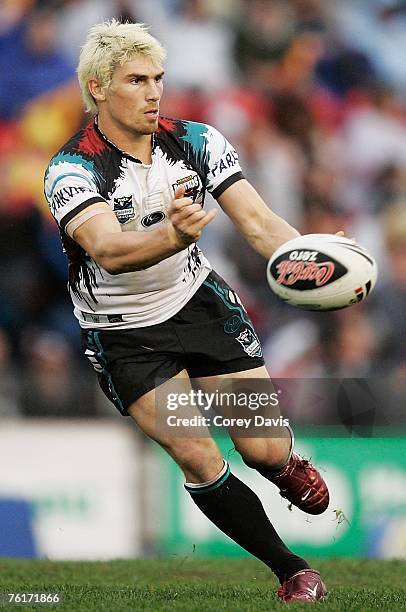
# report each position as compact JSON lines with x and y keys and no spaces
{"x":250,"y":343}
{"x":124,"y":208}
{"x":64,"y":195}
{"x":227,"y":161}
{"x":152,"y":218}
{"x":191,"y":184}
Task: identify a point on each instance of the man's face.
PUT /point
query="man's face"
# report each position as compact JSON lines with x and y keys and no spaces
{"x":133,"y":96}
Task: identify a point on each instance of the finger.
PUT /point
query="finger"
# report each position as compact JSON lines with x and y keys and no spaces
{"x":192,"y":219}
{"x":186,"y":211}
{"x":187,"y":226}
{"x":340,"y":233}
{"x":208,"y":217}
{"x":180,"y":192}
{"x":180,"y":203}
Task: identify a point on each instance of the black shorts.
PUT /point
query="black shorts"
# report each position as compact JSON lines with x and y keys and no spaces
{"x":211,"y":335}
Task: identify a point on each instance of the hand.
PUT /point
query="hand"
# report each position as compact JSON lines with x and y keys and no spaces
{"x":342,"y":234}
{"x":186,"y":220}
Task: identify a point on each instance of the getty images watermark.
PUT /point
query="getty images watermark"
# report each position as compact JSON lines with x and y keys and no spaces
{"x":258,"y":407}
{"x":248,"y":407}
{"x":207,"y":401}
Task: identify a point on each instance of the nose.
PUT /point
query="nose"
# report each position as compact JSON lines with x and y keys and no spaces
{"x":153,"y":92}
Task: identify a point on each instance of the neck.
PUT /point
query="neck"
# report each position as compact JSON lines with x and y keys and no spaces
{"x":135,"y":144}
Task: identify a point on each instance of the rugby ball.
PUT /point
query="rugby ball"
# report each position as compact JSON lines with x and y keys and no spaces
{"x":322,"y":272}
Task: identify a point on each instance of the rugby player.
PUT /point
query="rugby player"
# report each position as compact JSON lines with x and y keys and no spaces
{"x":127,"y":192}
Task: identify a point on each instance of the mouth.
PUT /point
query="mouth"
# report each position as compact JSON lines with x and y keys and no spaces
{"x":153,"y":113}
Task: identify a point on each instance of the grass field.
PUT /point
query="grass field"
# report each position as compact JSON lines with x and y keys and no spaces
{"x":189,"y":584}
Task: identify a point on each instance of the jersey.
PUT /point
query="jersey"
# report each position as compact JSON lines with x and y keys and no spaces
{"x":89,"y":169}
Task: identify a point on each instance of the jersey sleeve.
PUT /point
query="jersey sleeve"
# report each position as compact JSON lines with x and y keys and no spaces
{"x":222,"y":161}
{"x":70,"y":187}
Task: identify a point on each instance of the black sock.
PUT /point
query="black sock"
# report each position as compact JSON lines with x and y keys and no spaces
{"x":237,"y":511}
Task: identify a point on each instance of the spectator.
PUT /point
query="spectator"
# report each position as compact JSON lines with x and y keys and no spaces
{"x":8,"y":379}
{"x":263,"y":33}
{"x":50,"y":388}
{"x":374,"y":137}
{"x":390,"y":297}
{"x":31,"y":65}
{"x":207,"y":64}
{"x":351,"y":345}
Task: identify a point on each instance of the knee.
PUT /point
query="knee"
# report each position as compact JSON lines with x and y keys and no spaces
{"x":198,"y":458}
{"x":264,"y":453}
{"x":249,"y":462}
{"x":252,"y":456}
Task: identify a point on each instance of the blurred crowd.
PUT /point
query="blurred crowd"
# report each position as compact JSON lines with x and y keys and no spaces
{"x":312,"y":95}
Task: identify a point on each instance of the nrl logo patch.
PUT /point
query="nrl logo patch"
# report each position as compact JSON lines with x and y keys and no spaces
{"x":250,"y":343}
{"x":124,"y":208}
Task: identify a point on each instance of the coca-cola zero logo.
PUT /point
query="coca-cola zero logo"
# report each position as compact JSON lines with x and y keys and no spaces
{"x":320,"y":271}
{"x":289,"y":272}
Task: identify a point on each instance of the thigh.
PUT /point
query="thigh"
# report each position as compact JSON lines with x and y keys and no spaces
{"x":259,"y":442}
{"x":238,"y":396}
{"x":196,"y":454}
{"x":150,"y":413}
{"x":211,"y":384}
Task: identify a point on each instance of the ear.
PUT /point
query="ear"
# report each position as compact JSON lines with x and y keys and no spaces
{"x":96,"y":90}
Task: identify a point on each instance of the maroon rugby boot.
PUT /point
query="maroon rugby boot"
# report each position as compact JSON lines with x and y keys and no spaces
{"x":302,"y":485}
{"x":306,"y":586}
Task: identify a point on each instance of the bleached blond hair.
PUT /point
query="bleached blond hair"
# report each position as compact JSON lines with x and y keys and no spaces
{"x":111,"y":44}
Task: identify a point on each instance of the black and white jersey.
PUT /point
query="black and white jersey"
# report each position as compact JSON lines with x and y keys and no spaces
{"x":89,"y":169}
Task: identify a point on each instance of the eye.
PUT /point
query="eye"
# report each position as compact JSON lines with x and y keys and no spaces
{"x":159,"y":78}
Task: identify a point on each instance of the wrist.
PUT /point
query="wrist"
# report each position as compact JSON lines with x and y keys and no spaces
{"x":173,"y":237}
{"x":175,"y":240}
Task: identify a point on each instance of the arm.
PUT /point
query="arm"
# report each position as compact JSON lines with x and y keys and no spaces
{"x":263,"y":229}
{"x":72,"y":192}
{"x":118,"y":252}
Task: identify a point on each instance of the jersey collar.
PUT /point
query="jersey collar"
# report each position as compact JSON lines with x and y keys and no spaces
{"x":115,"y":147}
